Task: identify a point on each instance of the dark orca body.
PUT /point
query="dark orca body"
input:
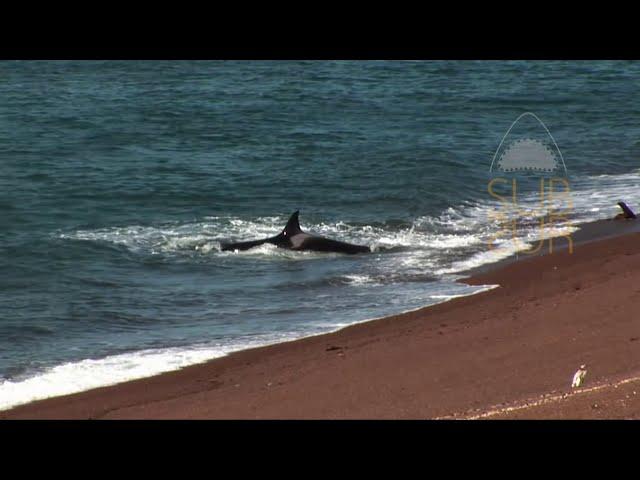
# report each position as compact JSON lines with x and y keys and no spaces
{"x":293,"y":238}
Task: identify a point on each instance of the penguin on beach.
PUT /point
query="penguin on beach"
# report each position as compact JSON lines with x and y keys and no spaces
{"x":578,"y":377}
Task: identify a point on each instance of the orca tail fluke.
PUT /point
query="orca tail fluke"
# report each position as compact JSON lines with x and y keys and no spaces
{"x":242,"y":245}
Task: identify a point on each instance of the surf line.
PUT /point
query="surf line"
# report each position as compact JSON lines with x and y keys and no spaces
{"x":541,"y":400}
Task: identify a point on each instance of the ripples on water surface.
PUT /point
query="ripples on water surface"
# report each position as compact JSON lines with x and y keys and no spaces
{"x":120,"y":179}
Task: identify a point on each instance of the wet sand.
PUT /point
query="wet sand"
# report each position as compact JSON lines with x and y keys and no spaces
{"x":507,"y":353}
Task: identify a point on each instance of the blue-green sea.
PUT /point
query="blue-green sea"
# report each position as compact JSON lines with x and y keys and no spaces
{"x":119,"y":180}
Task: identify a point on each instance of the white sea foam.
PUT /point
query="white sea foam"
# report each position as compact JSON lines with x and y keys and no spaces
{"x":354,"y":279}
{"x":74,"y":377}
{"x":455,"y":240}
{"x":87,"y":374}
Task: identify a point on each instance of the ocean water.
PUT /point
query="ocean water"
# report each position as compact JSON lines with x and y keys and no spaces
{"x":119,"y":180}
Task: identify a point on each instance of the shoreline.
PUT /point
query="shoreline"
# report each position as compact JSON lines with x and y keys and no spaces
{"x":273,"y":381}
{"x":295,"y":339}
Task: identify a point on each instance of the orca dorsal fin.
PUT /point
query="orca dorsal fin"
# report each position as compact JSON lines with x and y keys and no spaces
{"x":293,"y":225}
{"x":628,"y":213}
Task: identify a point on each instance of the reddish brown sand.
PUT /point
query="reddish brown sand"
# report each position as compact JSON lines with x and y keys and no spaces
{"x":507,"y":353}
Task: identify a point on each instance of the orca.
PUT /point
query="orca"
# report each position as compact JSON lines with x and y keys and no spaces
{"x":627,"y":212}
{"x":293,"y":238}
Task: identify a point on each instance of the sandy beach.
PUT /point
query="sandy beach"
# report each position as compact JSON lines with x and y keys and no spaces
{"x":506,"y":353}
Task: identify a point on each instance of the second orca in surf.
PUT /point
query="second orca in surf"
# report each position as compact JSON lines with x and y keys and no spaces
{"x":293,"y":238}
{"x":627,"y":213}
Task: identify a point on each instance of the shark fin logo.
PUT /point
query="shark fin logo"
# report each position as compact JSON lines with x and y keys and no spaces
{"x":527,"y":154}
